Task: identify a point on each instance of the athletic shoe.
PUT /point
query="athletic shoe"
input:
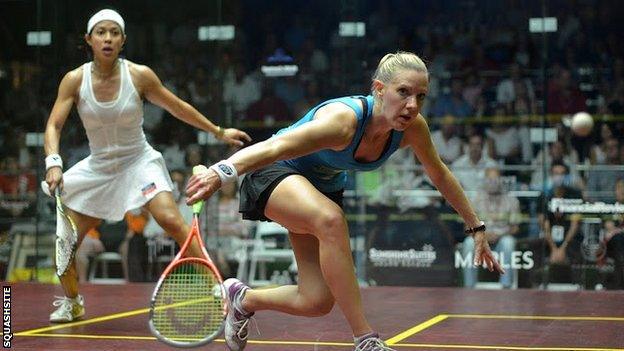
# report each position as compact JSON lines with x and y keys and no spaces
{"x":372,"y":343}
{"x":68,"y":309}
{"x":236,"y":323}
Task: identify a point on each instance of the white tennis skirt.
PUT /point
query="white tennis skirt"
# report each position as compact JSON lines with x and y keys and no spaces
{"x":108,"y":187}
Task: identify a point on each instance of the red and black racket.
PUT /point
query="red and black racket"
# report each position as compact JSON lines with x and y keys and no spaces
{"x":188,"y":306}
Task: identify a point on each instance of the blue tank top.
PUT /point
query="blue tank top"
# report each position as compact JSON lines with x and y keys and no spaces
{"x":326,"y":169}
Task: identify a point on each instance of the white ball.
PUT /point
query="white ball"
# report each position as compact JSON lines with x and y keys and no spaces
{"x":582,"y":124}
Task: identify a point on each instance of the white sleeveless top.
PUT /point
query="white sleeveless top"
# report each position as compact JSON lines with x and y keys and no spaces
{"x":123,"y":171}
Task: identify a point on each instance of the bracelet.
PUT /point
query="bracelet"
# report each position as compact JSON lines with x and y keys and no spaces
{"x":479,"y":228}
{"x":220,"y":132}
{"x":226,"y":171}
{"x":53,"y":160}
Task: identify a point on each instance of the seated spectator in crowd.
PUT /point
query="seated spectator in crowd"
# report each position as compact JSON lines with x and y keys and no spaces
{"x":510,"y":88}
{"x":267,"y":115}
{"x":230,"y":227}
{"x":312,"y":98}
{"x":614,"y":239}
{"x":193,"y":156}
{"x":470,"y":168}
{"x":523,"y":111}
{"x":452,"y":103}
{"x":133,"y":248}
{"x":240,"y":93}
{"x":559,"y":177}
{"x":503,"y":139}
{"x":598,"y":152}
{"x":558,"y":152}
{"x":202,"y":92}
{"x":615,"y":105}
{"x":561,"y":229}
{"x":473,"y":90}
{"x":501,"y":213}
{"x":290,"y":90}
{"x":17,"y":190}
{"x":600,"y":182}
{"x":90,"y":247}
{"x":564,"y":95}
{"x":446,"y":141}
{"x":174,"y":151}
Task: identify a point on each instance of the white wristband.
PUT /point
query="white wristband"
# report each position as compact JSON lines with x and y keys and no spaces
{"x":226,"y":171}
{"x":53,"y":160}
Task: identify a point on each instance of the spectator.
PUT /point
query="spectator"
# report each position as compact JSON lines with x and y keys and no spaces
{"x":507,"y":89}
{"x":614,"y":239}
{"x":561,"y":229}
{"x":470,"y":168}
{"x":452,"y":103}
{"x":265,"y":113}
{"x":240,"y":93}
{"x":598,"y":153}
{"x":600,"y":183}
{"x":17,"y":189}
{"x":501,"y":213}
{"x":564,"y":95}
{"x":133,"y":248}
{"x":90,"y":247}
{"x":503,"y":139}
{"x":230,"y":227}
{"x":446,"y":141}
{"x":557,"y":153}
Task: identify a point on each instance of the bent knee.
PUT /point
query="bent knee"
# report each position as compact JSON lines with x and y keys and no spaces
{"x":330,"y":223}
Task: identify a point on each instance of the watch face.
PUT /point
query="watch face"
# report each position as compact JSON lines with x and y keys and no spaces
{"x":226,"y":169}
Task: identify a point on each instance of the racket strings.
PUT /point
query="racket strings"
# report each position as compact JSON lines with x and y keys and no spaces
{"x":188,"y":304}
{"x":66,"y":238}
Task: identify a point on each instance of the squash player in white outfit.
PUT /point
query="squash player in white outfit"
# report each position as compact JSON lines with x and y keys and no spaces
{"x":123,"y":171}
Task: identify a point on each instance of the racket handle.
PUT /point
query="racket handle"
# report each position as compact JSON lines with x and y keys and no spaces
{"x":197,"y":207}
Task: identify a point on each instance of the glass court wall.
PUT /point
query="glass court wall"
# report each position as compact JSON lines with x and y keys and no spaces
{"x":505,"y":81}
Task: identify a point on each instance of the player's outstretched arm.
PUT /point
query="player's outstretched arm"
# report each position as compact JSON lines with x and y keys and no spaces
{"x":158,"y":94}
{"x":332,"y":128}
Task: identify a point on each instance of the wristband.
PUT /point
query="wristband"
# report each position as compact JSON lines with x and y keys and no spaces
{"x":53,"y":160}
{"x":226,"y":171}
{"x":479,"y":228}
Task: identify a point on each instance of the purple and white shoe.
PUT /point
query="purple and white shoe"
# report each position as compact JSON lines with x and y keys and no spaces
{"x":236,"y":323}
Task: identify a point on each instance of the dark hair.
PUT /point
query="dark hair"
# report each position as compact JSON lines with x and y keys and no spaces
{"x":559,"y":163}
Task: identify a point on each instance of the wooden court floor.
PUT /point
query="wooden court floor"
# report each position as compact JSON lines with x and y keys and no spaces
{"x":408,"y":318}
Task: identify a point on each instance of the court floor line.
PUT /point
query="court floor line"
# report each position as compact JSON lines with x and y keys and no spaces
{"x":506,"y":347}
{"x":151,"y":338}
{"x":562,"y":318}
{"x":416,"y":329}
{"x":320,"y":343}
{"x":84,"y":322}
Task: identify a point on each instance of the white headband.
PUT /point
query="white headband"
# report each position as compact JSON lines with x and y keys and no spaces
{"x":106,"y":15}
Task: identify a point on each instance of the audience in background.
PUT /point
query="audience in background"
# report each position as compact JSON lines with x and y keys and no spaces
{"x":501,"y":213}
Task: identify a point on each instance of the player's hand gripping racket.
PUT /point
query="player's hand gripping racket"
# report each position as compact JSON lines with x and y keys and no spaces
{"x":66,"y":236}
{"x":188,"y":307}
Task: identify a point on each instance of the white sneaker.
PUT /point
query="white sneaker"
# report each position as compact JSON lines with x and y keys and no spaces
{"x":372,"y":343}
{"x":68,"y":309}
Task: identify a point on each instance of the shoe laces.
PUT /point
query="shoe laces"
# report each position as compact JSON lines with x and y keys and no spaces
{"x":241,"y":327}
{"x":372,"y":344}
{"x":63,"y":301}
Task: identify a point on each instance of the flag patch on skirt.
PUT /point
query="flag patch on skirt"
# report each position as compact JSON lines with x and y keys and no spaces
{"x":149,"y":188}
